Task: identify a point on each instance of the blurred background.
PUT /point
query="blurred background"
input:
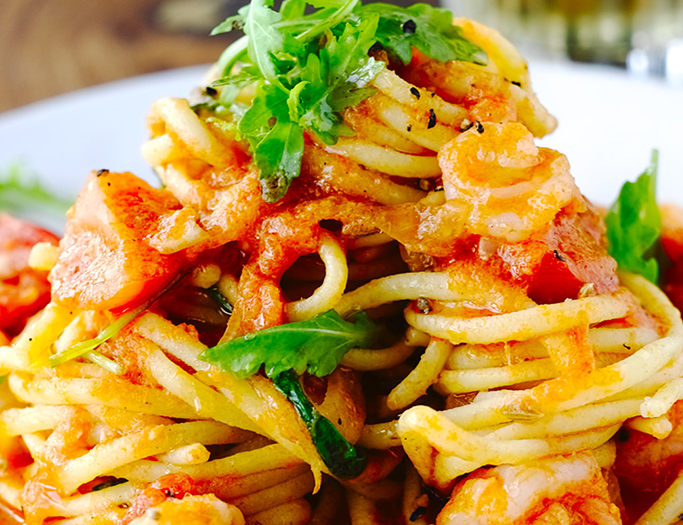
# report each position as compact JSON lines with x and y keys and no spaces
{"x":49,"y":47}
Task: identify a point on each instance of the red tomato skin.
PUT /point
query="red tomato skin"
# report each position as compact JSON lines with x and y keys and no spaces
{"x":23,"y":290}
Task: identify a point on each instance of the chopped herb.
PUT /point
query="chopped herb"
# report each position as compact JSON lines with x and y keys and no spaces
{"x":222,"y":302}
{"x":634,"y":225}
{"x":108,"y":484}
{"x":308,"y":67}
{"x":343,"y":459}
{"x":316,"y":346}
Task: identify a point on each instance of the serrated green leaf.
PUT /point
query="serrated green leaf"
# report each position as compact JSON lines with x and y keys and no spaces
{"x":315,"y":346}
{"x":278,"y":156}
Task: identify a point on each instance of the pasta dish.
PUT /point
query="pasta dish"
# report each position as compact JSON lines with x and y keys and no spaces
{"x":361,"y":294}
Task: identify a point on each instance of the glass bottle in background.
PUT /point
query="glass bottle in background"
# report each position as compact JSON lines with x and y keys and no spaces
{"x":644,"y":36}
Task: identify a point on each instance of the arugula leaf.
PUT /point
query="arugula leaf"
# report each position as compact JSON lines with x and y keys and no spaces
{"x":634,"y":225}
{"x":343,"y":459}
{"x":308,"y":67}
{"x":426,"y":28}
{"x":315,"y":346}
{"x":21,"y":192}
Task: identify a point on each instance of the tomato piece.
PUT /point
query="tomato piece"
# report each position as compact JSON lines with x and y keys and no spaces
{"x":105,"y":261}
{"x":23,"y":290}
{"x":569,"y":255}
{"x":672,"y":243}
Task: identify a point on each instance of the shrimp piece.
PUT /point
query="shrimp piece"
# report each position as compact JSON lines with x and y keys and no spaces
{"x":515,"y":188}
{"x":559,"y":490}
{"x":192,"y":510}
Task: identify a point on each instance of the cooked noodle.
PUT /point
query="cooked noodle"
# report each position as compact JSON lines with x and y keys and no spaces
{"x":423,"y":224}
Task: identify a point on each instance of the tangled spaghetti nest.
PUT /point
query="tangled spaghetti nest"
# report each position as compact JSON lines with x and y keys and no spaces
{"x":480,"y":374}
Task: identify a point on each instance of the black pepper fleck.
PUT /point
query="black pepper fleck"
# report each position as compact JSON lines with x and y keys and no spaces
{"x":102,"y":172}
{"x":480,"y":127}
{"x":518,"y":84}
{"x":432,"y":119}
{"x":558,"y":256}
{"x":410,"y":27}
{"x":418,"y":513}
{"x":624,"y":435}
{"x":415,"y":92}
{"x":212,"y":92}
{"x":376,"y":48}
{"x":409,"y":128}
{"x":626,"y":346}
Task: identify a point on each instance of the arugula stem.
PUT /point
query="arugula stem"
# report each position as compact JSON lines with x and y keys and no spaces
{"x":82,"y":348}
{"x":232,"y":55}
{"x":332,"y":21}
{"x":103,"y":361}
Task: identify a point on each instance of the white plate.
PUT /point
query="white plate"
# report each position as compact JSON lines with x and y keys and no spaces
{"x":609,"y":123}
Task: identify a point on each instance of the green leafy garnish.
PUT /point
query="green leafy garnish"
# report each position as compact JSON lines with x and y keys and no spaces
{"x":343,"y":459}
{"x":315,"y":346}
{"x":309,"y":65}
{"x":87,"y":348}
{"x":21,"y":192}
{"x":223,"y":304}
{"x":109,"y":484}
{"x":416,"y":26}
{"x":634,"y":225}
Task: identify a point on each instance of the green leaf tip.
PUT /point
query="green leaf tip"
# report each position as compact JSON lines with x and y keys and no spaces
{"x":634,"y":225}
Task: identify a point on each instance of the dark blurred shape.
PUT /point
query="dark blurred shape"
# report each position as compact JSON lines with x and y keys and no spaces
{"x":644,"y":36}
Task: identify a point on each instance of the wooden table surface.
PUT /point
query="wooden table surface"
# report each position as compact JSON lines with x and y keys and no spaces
{"x":48,"y":47}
